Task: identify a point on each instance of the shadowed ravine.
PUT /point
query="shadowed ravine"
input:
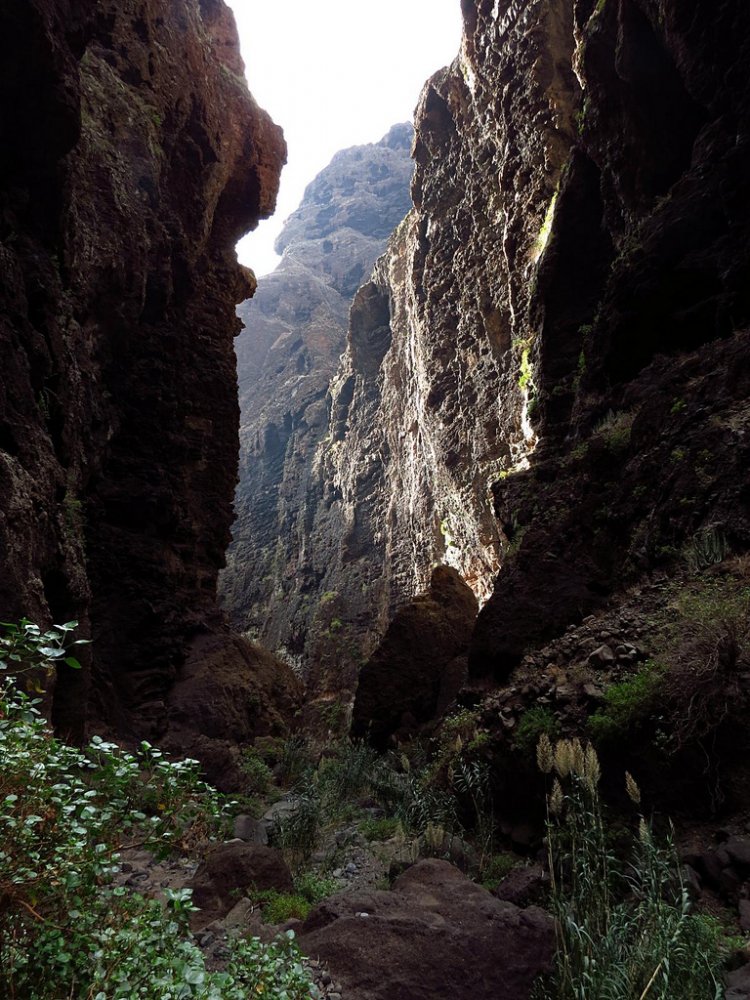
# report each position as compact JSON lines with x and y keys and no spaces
{"x":491,"y":425}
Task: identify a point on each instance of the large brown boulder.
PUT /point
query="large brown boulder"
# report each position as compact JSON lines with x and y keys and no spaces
{"x":436,"y":934}
{"x":415,"y":672}
{"x":229,"y":871}
{"x":228,"y":693}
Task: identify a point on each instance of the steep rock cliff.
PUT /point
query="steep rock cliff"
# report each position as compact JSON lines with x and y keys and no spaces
{"x":538,"y":374}
{"x":430,"y":404}
{"x":132,"y":157}
{"x":296,"y":331}
{"x":642,"y":377}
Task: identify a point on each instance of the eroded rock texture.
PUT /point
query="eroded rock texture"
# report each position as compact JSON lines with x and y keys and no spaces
{"x":296,"y":331}
{"x":642,"y":377}
{"x":554,"y":321}
{"x":434,"y":930}
{"x":132,"y":157}
{"x":430,"y":403}
{"x":420,"y":666}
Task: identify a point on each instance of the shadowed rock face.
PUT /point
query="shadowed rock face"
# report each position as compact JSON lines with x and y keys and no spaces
{"x":640,"y":374}
{"x":131,"y":159}
{"x":296,"y":331}
{"x":430,"y":402}
{"x":541,"y":371}
{"x":420,"y":666}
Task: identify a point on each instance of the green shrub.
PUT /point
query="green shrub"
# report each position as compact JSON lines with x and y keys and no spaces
{"x":624,"y":928}
{"x":627,"y":704}
{"x":256,"y":771}
{"x":297,"y":834}
{"x":531,"y":725}
{"x":278,"y":907}
{"x":313,"y":887}
{"x":379,"y":829}
{"x":346,"y":775}
{"x":66,"y":930}
{"x":495,"y":868}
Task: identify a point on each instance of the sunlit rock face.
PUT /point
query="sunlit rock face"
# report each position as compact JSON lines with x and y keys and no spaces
{"x":132,"y":157}
{"x":287,"y":356}
{"x":430,"y":404}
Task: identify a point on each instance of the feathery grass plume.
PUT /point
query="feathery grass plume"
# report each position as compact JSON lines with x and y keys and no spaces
{"x":545,"y":757}
{"x":631,"y":787}
{"x":623,"y":925}
{"x":434,"y":837}
{"x":556,"y":799}
{"x":563,"y":758}
{"x":579,"y":758}
{"x":592,"y":770}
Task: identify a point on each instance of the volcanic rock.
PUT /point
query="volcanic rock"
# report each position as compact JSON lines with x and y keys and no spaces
{"x":287,"y":356}
{"x":230,"y":870}
{"x":415,"y":672}
{"x":132,"y":157}
{"x":434,"y":928}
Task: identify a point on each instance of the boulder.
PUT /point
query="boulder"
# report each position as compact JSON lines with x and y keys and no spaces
{"x":435,"y":934}
{"x":420,"y":666}
{"x":229,"y":871}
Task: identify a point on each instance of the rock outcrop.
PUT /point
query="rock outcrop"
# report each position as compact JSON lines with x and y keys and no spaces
{"x":430,"y":404}
{"x":434,"y":932}
{"x":421,"y":664}
{"x":132,"y":157}
{"x":287,"y":356}
{"x":547,"y":369}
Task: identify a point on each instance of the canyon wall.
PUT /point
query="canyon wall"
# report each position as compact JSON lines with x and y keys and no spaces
{"x":296,"y":331}
{"x":544,"y":372}
{"x":640,"y":309}
{"x":132,"y":157}
{"x":431,"y":403}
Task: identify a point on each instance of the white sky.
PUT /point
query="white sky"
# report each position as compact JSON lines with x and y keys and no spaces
{"x":336,"y":73}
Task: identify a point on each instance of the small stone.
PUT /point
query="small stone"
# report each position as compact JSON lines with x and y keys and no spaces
{"x":249,"y":829}
{"x":326,"y":979}
{"x":593,"y":691}
{"x":692,"y":881}
{"x":565,"y":692}
{"x":338,"y":872}
{"x":602,"y":657}
{"x":738,"y":849}
{"x":351,"y":868}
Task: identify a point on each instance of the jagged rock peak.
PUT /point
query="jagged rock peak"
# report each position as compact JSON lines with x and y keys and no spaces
{"x":365,"y":188}
{"x":296,"y":331}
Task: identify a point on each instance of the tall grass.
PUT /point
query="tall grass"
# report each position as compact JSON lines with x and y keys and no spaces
{"x":625,"y":930}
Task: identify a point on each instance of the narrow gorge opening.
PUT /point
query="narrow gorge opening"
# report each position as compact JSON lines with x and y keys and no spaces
{"x":487,"y":585}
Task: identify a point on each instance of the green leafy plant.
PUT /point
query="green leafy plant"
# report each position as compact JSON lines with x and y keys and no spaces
{"x":25,"y":648}
{"x":628,"y":704}
{"x":531,"y":725}
{"x":625,"y":930}
{"x":494,"y":868}
{"x":66,"y":929}
{"x":257,"y":772}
